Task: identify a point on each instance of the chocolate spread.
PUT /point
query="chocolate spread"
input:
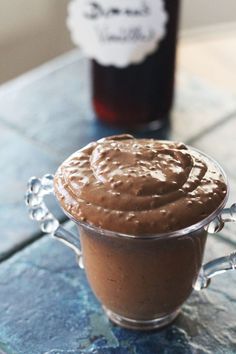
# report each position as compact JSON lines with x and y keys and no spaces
{"x":139,"y":186}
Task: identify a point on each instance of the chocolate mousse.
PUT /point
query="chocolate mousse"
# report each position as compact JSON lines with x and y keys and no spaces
{"x":143,"y":190}
{"x":139,"y":186}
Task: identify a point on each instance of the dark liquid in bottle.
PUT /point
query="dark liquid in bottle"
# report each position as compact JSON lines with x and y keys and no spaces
{"x":142,"y":93}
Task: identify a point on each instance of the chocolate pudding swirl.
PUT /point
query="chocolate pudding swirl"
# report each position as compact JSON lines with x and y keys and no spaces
{"x":139,"y":186}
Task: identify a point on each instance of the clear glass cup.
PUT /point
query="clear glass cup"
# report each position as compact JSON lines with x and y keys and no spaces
{"x":141,"y":282}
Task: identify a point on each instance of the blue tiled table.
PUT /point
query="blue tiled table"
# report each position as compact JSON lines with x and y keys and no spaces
{"x":46,"y":305}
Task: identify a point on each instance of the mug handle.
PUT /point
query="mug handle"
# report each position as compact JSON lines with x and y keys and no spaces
{"x":37,"y":190}
{"x":222,"y":264}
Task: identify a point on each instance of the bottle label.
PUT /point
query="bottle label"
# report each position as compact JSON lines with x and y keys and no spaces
{"x":117,"y":32}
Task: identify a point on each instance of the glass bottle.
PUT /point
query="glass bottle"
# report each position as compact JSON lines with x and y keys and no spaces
{"x":132,"y":45}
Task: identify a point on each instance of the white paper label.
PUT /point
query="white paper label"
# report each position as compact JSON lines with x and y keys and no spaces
{"x":117,"y":32}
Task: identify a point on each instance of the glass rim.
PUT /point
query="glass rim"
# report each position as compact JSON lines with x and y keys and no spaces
{"x":180,"y":232}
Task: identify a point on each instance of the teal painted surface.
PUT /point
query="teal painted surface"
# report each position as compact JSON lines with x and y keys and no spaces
{"x":46,"y":305}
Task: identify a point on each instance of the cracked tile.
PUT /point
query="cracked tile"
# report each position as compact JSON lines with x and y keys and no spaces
{"x":19,"y":161}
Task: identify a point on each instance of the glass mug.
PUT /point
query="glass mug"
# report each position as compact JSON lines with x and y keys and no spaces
{"x":140,"y":281}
